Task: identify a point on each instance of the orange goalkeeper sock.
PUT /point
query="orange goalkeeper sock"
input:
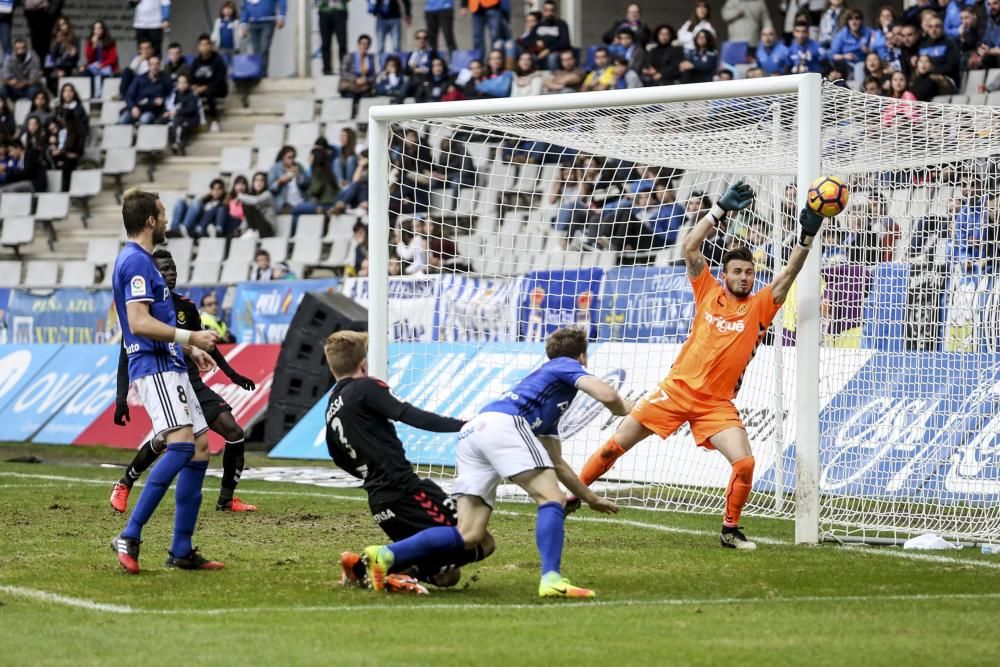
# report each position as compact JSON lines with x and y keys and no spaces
{"x":601,"y":461}
{"x":738,"y":490}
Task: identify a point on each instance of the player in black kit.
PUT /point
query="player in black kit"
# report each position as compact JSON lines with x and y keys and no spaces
{"x":363,"y":441}
{"x":218,"y":413}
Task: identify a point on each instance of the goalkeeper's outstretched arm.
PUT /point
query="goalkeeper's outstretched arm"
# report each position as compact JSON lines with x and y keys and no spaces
{"x":810,"y":221}
{"x":737,"y":197}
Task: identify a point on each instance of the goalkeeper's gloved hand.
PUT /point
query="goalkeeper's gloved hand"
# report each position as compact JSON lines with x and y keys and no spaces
{"x":810,"y":221}
{"x":242,"y":382}
{"x":121,"y":413}
{"x":737,"y":197}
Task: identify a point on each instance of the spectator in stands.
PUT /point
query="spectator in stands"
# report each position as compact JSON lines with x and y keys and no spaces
{"x":332,"y":21}
{"x":211,"y":320}
{"x":33,"y":133}
{"x":152,"y":19}
{"x":287,"y":180}
{"x":209,"y":80}
{"x":989,"y":52}
{"x":624,"y":76}
{"x":568,"y":78}
{"x":830,"y":23}
{"x":551,"y":36}
{"x":355,"y":195}
{"x":70,"y":107}
{"x":875,"y":68}
{"x":322,"y":190}
{"x":41,"y":106}
{"x":884,"y":226}
{"x":183,"y":114}
{"x":467,"y":81}
{"x":662,"y":65}
{"x":851,"y":43}
{"x":440,"y":15}
{"x":236,"y":219}
{"x":700,"y":19}
{"x":358,"y":75}
{"x":6,"y":22}
{"x":262,"y":266}
{"x":632,"y":22}
{"x":497,"y":80}
{"x":357,"y":253}
{"x":227,"y":38}
{"x":418,"y":62}
{"x":390,"y":82}
{"x":969,"y":38}
{"x":667,"y":216}
{"x":22,"y":73}
{"x":700,"y":63}
{"x":745,"y":20}
{"x":941,"y":49}
{"x":899,"y":89}
{"x":872,"y":86}
{"x":442,"y":253}
{"x":23,"y":171}
{"x":882,"y":32}
{"x":487,"y":15}
{"x":927,"y":84}
{"x":40,"y":15}
{"x":453,"y":169}
{"x":603,"y":75}
{"x":145,"y":101}
{"x":431,"y":87}
{"x":524,"y":43}
{"x":910,"y":38}
{"x":260,"y":19}
{"x":101,"y":53}
{"x":527,"y":78}
{"x":346,"y":160}
{"x":892,"y":55}
{"x":282,"y":271}
{"x":412,"y":162}
{"x":258,"y":206}
{"x":8,"y":128}
{"x":626,"y":47}
{"x":138,"y":66}
{"x":67,"y":142}
{"x":175,"y":62}
{"x":412,"y":247}
{"x":772,"y":55}
{"x":204,"y":216}
{"x":64,"y":53}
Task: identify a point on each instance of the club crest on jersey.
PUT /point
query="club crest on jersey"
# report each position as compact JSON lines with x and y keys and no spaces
{"x":722,"y":325}
{"x":138,"y":286}
{"x":181,"y":317}
{"x":742,"y":309}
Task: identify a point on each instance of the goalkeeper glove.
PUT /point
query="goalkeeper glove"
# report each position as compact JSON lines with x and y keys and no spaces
{"x":737,"y":197}
{"x":810,"y":221}
{"x":121,"y":413}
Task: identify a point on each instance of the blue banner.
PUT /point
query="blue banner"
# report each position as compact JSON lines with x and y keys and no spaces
{"x":476,"y":308}
{"x":646,"y":303}
{"x":61,"y":316}
{"x":262,"y":311}
{"x":549,"y":300}
{"x":884,"y":318}
{"x":64,"y":397}
{"x":4,"y":331}
{"x":18,"y":365}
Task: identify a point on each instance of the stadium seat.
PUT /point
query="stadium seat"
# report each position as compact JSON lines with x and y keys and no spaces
{"x":284,"y":226}
{"x":17,"y":232}
{"x":205,"y":272}
{"x":306,"y":251}
{"x":993,"y":99}
{"x":266,"y":156}
{"x":41,"y":273}
{"x":169,"y":199}
{"x":151,"y":138}
{"x":460,"y":59}
{"x":941,"y":99}
{"x":21,"y":110}
{"x":303,"y":134}
{"x":959,"y":99}
{"x":102,"y":251}
{"x":111,"y":112}
{"x":336,"y":109}
{"x":242,"y":249}
{"x":15,"y":204}
{"x":276,"y":247}
{"x":211,"y":250}
{"x":234,"y":271}
{"x":111,"y":89}
{"x":118,"y":162}
{"x":309,"y":227}
{"x":77,"y":274}
{"x":82,"y":85}
{"x":340,"y":227}
{"x":180,"y":248}
{"x":117,"y":136}
{"x":236,"y":158}
{"x":299,"y":111}
{"x":268,"y":134}
{"x":369,"y":102}
{"x":198,"y":181}
{"x":10,"y":272}
{"x":733,"y":53}
{"x":183,"y":271}
{"x":326,"y":87}
{"x":53,"y":179}
{"x":332,"y":131}
{"x":973,"y":79}
{"x":977,"y":99}
{"x":84,"y":184}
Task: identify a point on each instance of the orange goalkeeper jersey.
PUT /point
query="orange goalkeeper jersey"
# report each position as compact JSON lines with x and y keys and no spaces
{"x":723,"y":338}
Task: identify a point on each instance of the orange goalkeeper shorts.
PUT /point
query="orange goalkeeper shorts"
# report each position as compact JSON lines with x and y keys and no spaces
{"x":666,"y":408}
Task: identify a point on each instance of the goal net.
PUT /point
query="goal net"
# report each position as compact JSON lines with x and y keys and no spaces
{"x":508,"y":219}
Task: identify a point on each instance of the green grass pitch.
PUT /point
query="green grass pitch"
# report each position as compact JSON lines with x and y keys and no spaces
{"x":668,"y":594}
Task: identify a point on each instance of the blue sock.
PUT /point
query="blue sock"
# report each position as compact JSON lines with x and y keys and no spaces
{"x":170,"y":463}
{"x":549,"y":535}
{"x":429,"y":542}
{"x":188,"y":495}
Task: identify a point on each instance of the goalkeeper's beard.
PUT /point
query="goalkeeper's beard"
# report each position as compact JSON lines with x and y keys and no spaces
{"x":739,"y":291}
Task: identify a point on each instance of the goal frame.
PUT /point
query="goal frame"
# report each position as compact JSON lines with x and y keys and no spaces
{"x":808,"y":91}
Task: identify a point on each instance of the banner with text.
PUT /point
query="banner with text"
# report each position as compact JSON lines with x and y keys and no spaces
{"x":412,"y":302}
{"x":549,"y":300}
{"x":262,"y":311}
{"x":64,"y":315}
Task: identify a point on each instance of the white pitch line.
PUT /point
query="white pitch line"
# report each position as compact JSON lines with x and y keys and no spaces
{"x":694,"y":532}
{"x":91,"y":605}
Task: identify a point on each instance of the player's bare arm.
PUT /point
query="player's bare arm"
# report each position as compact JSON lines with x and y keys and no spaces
{"x":737,"y":197}
{"x":810,"y":221}
{"x":601,"y":391}
{"x":569,"y":479}
{"x":142,"y":323}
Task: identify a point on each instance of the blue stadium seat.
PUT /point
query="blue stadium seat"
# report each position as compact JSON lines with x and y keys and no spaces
{"x":733,"y":53}
{"x":461,"y":59}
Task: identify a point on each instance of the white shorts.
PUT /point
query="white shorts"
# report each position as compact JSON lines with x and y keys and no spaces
{"x":170,"y":402}
{"x":493,"y":446}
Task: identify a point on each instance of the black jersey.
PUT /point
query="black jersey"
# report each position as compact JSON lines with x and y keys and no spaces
{"x":362,"y":440}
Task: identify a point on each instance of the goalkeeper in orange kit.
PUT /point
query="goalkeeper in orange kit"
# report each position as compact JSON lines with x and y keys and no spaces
{"x":729,"y":323}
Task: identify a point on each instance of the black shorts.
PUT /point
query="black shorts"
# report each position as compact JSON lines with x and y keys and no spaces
{"x":427,"y":507}
{"x":211,"y":403}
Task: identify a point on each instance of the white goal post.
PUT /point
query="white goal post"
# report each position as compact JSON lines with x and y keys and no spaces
{"x":513,"y":216}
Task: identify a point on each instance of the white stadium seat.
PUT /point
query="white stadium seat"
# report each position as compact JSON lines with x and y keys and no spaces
{"x":211,"y":250}
{"x":236,"y":158}
{"x":303,"y":134}
{"x":52,"y":206}
{"x":102,"y":251}
{"x":117,"y":136}
{"x":299,"y":111}
{"x":17,"y":232}
{"x":15,"y":204}
{"x":10,"y":272}
{"x":77,"y":274}
{"x":242,"y":249}
{"x":234,"y":271}
{"x":205,"y":272}
{"x":41,"y":273}
{"x":276,"y":247}
{"x":181,"y":249}
{"x":151,"y":138}
{"x":268,"y":134}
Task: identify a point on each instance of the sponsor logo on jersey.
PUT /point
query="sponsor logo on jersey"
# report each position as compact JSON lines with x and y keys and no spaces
{"x":384,"y":515}
{"x":132,"y":349}
{"x":722,"y":325}
{"x":138,"y":286}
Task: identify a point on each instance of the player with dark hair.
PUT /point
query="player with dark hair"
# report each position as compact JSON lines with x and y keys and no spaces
{"x":729,"y":323}
{"x":362,"y":440}
{"x":156,"y":365}
{"x":515,"y":436}
{"x":218,"y":413}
